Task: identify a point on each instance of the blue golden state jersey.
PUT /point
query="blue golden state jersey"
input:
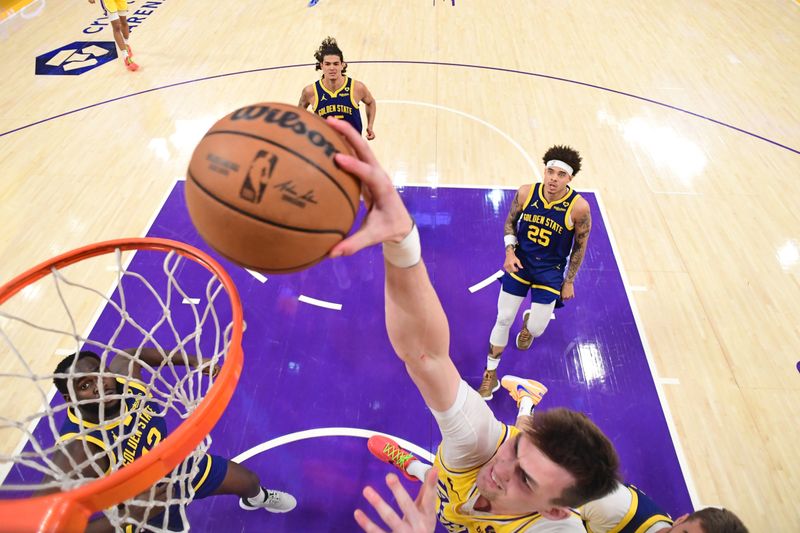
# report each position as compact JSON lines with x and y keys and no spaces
{"x":457,"y":493}
{"x":140,"y":427}
{"x":340,"y":103}
{"x":637,"y":514}
{"x":545,"y":229}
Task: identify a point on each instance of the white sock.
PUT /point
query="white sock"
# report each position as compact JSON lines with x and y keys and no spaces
{"x":526,"y":406}
{"x":261,"y":497}
{"x":124,"y":54}
{"x":492,"y":363}
{"x":418,"y":469}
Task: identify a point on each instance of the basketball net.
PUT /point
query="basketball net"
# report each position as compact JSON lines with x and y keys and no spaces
{"x":167,"y":297}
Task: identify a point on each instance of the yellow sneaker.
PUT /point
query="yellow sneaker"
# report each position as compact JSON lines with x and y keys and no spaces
{"x":518,"y":388}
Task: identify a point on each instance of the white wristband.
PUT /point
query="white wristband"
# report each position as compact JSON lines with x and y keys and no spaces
{"x":510,"y":240}
{"x":405,"y":253}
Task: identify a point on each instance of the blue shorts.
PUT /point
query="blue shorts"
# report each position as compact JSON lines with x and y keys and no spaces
{"x":544,"y":283}
{"x":210,"y":476}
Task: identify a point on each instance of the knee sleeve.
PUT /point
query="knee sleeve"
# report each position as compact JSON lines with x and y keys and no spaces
{"x":507,"y":307}
{"x":540,"y":317}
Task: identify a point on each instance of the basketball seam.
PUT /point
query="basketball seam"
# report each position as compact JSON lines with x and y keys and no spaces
{"x":296,"y":154}
{"x":264,"y":220}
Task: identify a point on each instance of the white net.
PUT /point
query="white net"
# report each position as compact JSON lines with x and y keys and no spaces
{"x":158,"y":328}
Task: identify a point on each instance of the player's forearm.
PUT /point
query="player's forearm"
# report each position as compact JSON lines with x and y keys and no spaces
{"x":575,"y":261}
{"x":415,"y":320}
{"x":583,"y":227}
{"x":372,"y":109}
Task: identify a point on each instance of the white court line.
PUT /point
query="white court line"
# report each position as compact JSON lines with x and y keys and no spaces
{"x":320,"y":303}
{"x":329,"y":432}
{"x":669,"y":381}
{"x":488,"y":281}
{"x":676,"y":443}
{"x":258,"y":275}
{"x":492,"y":127}
{"x":638,"y":288}
{"x":194,"y":301}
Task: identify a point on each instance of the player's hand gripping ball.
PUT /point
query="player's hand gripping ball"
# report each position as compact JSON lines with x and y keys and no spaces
{"x":263,"y":190}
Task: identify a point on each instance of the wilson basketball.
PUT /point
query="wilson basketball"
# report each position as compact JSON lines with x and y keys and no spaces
{"x":262,"y":188}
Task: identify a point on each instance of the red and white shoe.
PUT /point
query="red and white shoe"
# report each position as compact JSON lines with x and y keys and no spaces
{"x":390,"y":452}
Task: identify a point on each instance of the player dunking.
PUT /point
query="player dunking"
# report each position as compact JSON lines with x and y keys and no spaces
{"x":336,"y":95}
{"x":546,"y":233}
{"x":625,"y":510}
{"x":491,"y":476}
{"x":117,"y":12}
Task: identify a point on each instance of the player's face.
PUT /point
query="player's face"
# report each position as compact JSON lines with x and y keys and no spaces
{"x":521,"y":479}
{"x":556,"y":180}
{"x":332,"y":67}
{"x":683,"y":525}
{"x":89,"y":387}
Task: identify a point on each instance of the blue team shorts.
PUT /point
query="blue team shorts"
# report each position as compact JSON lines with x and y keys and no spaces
{"x":543,"y":282}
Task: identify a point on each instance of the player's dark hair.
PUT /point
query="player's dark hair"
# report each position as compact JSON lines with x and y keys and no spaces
{"x":714,"y":520}
{"x":64,"y":366}
{"x":572,"y":441}
{"x":329,"y":47}
{"x":566,"y":154}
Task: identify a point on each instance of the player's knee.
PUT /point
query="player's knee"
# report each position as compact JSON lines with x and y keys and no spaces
{"x":537,"y":325}
{"x":504,"y":320}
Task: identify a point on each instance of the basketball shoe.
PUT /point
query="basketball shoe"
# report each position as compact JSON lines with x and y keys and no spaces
{"x":130,"y":65}
{"x":275,"y":501}
{"x":524,"y":337}
{"x":390,"y":452}
{"x":489,"y":384}
{"x":519,"y":388}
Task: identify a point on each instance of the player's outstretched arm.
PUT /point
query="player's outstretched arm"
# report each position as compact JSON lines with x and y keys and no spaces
{"x":415,"y":320}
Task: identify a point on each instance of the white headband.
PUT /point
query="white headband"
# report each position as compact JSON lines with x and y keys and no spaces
{"x":559,"y":164}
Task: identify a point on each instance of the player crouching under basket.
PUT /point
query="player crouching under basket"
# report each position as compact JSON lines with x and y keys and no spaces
{"x":113,"y":420}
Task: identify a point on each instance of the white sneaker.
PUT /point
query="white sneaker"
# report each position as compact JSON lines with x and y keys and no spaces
{"x":276,"y":502}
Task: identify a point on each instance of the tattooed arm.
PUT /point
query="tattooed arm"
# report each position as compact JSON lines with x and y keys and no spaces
{"x":583,"y":225}
{"x":512,"y":262}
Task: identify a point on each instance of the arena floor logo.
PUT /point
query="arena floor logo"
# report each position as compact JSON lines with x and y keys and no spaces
{"x":82,"y":56}
{"x":75,"y":58}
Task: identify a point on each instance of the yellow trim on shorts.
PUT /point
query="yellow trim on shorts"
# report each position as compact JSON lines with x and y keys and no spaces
{"x":205,"y":474}
{"x":519,"y":278}
{"x":546,"y":288}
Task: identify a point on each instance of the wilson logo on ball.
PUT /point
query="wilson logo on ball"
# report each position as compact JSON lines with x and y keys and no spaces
{"x":284,"y":119}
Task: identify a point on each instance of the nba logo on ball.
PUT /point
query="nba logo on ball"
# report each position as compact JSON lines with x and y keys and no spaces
{"x":263,"y":189}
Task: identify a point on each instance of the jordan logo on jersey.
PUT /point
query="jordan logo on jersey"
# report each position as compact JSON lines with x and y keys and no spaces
{"x":323,"y":98}
{"x":535,"y":204}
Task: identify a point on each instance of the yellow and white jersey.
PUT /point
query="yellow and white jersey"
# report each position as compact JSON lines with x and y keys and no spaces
{"x":471,"y":436}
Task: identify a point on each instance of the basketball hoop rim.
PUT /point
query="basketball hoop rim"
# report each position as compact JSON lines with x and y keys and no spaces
{"x":70,"y":511}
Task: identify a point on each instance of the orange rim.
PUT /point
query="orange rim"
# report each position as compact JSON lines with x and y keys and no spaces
{"x":70,"y":511}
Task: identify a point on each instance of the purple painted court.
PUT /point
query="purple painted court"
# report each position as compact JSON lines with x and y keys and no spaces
{"x":333,"y":371}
